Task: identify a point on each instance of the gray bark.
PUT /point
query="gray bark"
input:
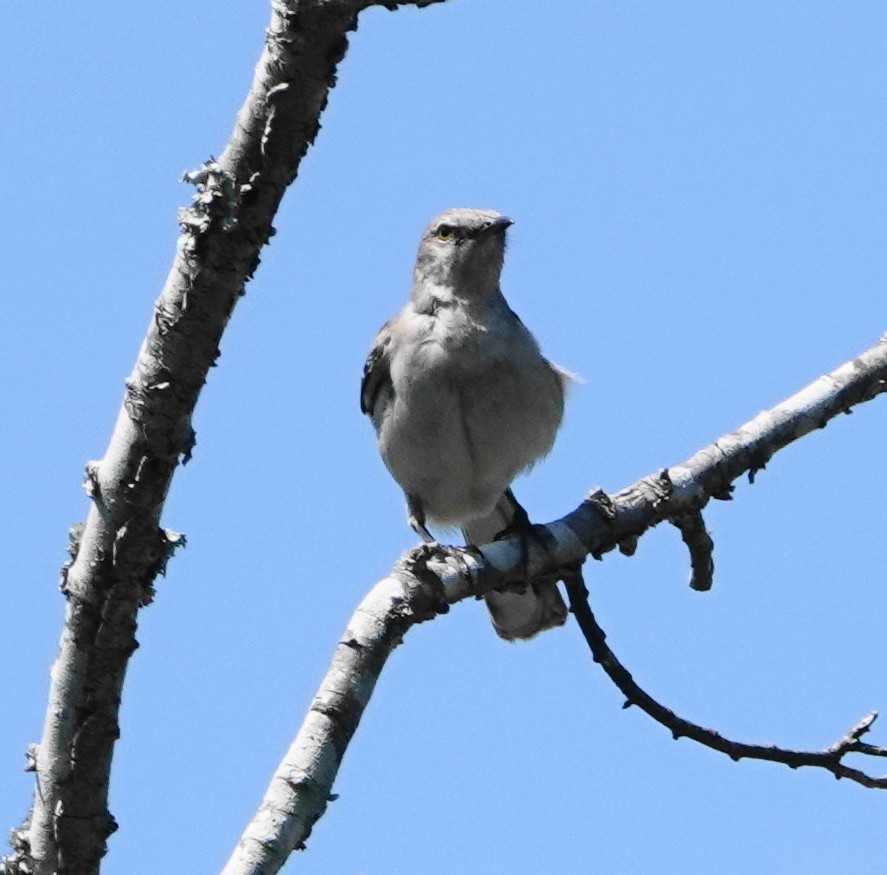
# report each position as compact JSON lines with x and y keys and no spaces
{"x":121,"y":547}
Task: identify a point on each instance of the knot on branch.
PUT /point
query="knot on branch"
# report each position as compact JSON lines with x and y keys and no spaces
{"x":661,"y":486}
{"x":605,"y":508}
{"x":602,"y":503}
{"x":19,"y":862}
{"x":75,"y":533}
{"x":217,"y":201}
{"x":425,"y":595}
{"x":82,"y":840}
{"x":141,"y":551}
{"x":759,"y":463}
{"x":702,"y":567}
{"x":154,"y":403}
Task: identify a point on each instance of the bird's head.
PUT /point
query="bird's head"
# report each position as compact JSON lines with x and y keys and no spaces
{"x":462,"y":251}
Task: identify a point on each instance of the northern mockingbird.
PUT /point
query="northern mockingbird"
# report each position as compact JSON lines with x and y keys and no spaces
{"x":462,"y":401}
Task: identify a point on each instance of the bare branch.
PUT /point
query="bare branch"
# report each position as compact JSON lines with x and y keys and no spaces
{"x":122,"y":548}
{"x":422,"y":584}
{"x":429,"y":579}
{"x":829,"y":759}
{"x":602,"y":522}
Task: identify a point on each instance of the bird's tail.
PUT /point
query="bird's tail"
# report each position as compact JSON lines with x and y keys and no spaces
{"x":516,"y":615}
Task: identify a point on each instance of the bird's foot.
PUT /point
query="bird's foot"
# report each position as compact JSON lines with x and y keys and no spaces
{"x":529,"y":533}
{"x":416,"y":520}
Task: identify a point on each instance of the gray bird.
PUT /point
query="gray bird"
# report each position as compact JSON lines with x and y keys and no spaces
{"x":463,"y":401}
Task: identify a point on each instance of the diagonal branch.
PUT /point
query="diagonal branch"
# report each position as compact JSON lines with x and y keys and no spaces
{"x":121,"y":548}
{"x":603,"y":521}
{"x":829,"y":759}
{"x":429,"y":579}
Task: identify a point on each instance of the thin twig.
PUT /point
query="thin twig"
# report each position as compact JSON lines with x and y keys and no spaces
{"x":829,"y":759}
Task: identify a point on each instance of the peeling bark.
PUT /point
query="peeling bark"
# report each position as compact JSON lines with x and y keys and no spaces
{"x":122,"y":548}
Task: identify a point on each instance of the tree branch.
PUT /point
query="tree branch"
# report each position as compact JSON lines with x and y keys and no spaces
{"x":700,"y":545}
{"x":429,"y":579}
{"x":829,"y":759}
{"x":603,"y":521}
{"x":121,"y":548}
{"x":421,"y":585}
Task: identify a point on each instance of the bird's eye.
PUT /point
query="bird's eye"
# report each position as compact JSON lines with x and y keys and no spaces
{"x":444,"y":232}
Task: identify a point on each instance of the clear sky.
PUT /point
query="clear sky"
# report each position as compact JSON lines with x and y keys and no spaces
{"x":699,"y":192}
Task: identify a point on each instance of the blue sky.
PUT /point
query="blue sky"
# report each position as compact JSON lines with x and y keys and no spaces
{"x":699,"y":194}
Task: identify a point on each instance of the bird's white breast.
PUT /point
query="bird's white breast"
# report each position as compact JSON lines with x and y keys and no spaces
{"x":472,"y":406}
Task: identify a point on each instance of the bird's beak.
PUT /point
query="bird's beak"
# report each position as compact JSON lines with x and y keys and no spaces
{"x":500,"y":224}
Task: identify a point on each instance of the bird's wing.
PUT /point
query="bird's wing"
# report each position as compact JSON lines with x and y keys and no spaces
{"x":376,"y":371}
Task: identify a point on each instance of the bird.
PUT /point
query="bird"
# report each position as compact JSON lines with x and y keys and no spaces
{"x":462,"y":401}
